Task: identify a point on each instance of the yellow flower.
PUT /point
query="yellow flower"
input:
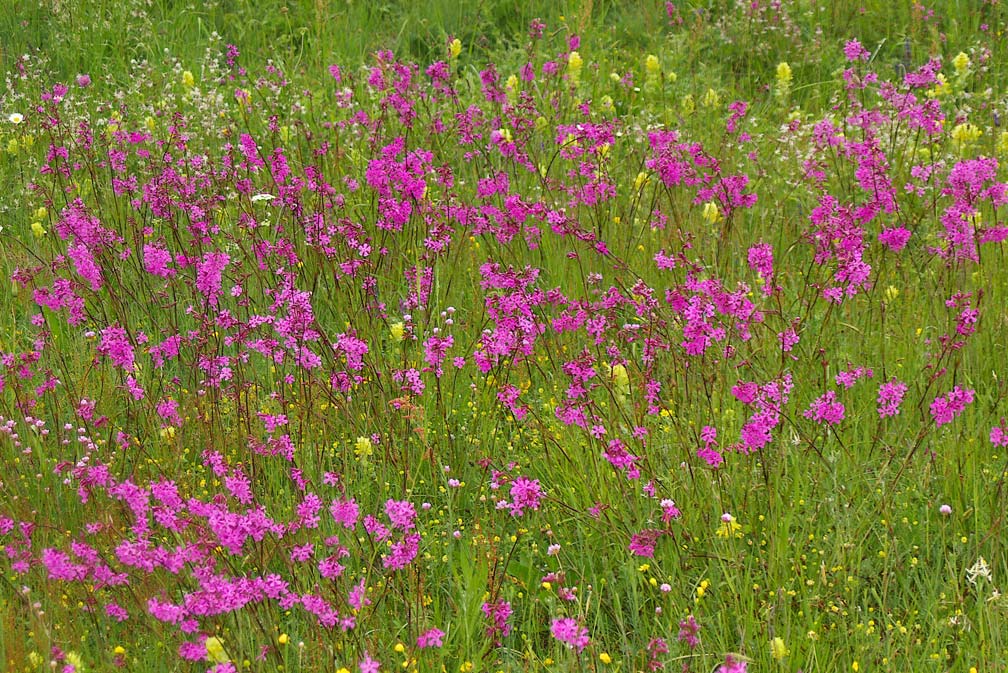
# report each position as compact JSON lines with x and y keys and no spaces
{"x":454,"y":48}
{"x":688,"y":105}
{"x":74,"y":660}
{"x":187,"y":79}
{"x":711,"y":212}
{"x":711,"y":98}
{"x":621,"y":380}
{"x":605,"y":658}
{"x":652,"y":65}
{"x":964,"y":134}
{"x":961,"y":63}
{"x":640,"y":181}
{"x":574,"y":63}
{"x":1002,"y":145}
{"x":283,"y":639}
{"x":783,"y":79}
{"x":119,"y":650}
{"x":398,"y":330}
{"x":38,"y":229}
{"x":778,"y":650}
{"x":941,"y":88}
{"x":215,"y":650}
{"x":363,"y":447}
{"x":399,"y":647}
{"x":702,"y":589}
{"x":41,"y":212}
{"x":891,"y":292}
{"x":12,"y":146}
{"x":343,"y":669}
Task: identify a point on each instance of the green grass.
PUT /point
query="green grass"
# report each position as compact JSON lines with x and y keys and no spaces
{"x":843,"y":552}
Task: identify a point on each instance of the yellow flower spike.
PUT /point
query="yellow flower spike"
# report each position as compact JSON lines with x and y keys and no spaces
{"x":398,"y":330}
{"x":454,"y":48}
{"x":215,"y":650}
{"x":783,"y":79}
{"x":652,"y":65}
{"x":74,"y":660}
{"x":574,"y":63}
{"x":688,"y":105}
{"x":961,"y":62}
{"x":188,"y":81}
{"x":778,"y":649}
{"x":38,"y":230}
{"x":711,"y":212}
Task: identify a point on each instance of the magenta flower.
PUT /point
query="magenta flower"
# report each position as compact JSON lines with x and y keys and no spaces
{"x":947,"y":407}
{"x":431,"y":638}
{"x":567,"y":630}
{"x":525,"y":492}
{"x":825,"y":409}
{"x":890,"y":396}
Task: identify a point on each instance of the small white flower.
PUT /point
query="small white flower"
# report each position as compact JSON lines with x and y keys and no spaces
{"x":979,"y":569}
{"x":15,"y":117}
{"x":261,"y":197}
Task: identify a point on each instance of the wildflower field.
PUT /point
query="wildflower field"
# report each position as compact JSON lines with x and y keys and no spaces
{"x":502,"y":336}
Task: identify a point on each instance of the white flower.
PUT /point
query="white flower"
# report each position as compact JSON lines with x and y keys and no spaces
{"x":15,"y":117}
{"x":255,"y":198}
{"x":979,"y":569}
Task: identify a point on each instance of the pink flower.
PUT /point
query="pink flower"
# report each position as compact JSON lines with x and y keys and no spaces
{"x":525,"y":492}
{"x":431,"y":638}
{"x":946,"y":407}
{"x":401,"y":513}
{"x":855,"y":52}
{"x":825,"y":409}
{"x":890,"y":396}
{"x":688,"y":631}
{"x":567,"y":630}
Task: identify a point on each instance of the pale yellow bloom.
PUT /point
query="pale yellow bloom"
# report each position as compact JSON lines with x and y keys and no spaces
{"x":711,"y":212}
{"x":778,"y":649}
{"x":215,"y":650}
{"x":652,"y":65}
{"x":783,"y":79}
{"x":187,"y":79}
{"x":398,"y":331}
{"x":961,"y":62}
{"x":455,"y":48}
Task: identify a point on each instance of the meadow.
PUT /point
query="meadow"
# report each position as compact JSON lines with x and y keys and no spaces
{"x":503,"y":336}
